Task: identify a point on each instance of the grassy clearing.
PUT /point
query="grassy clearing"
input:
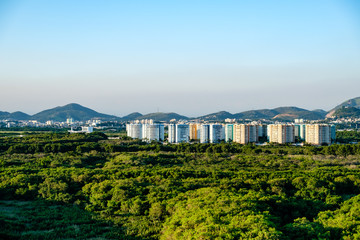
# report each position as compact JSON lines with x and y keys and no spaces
{"x":10,"y":134}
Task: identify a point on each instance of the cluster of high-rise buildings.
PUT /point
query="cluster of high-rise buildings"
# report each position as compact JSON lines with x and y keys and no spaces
{"x":316,"y":134}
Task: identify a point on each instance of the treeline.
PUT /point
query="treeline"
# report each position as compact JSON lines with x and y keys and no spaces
{"x":347,"y":136}
{"x":192,"y":191}
{"x":34,"y":129}
{"x":65,"y":142}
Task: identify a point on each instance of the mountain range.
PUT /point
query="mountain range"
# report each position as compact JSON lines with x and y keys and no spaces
{"x":349,"y":108}
{"x":15,"y":115}
{"x":72,"y":110}
{"x":281,"y":113}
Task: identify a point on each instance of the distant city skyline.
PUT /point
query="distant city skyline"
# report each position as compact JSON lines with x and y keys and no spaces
{"x":188,"y":57}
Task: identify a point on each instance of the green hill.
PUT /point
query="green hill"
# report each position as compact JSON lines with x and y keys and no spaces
{"x":347,"y":112}
{"x":281,"y":113}
{"x":3,"y":114}
{"x":354,"y":102}
{"x":131,"y":116}
{"x":218,"y":116}
{"x":256,"y":114}
{"x":162,"y":116}
{"x":19,"y":116}
{"x":73,"y":110}
{"x":351,"y":103}
{"x":14,"y":116}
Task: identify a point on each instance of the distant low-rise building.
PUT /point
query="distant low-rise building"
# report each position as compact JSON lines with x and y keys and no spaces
{"x":230,"y":120}
{"x":69,"y":121}
{"x":297,"y":121}
{"x":85,"y":129}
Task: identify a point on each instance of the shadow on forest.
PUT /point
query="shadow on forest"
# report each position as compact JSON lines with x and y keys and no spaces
{"x":51,"y":220}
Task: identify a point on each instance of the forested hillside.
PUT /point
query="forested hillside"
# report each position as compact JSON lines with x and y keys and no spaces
{"x":62,"y":186}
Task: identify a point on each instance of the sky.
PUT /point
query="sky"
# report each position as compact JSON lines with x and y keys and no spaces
{"x":192,"y":57}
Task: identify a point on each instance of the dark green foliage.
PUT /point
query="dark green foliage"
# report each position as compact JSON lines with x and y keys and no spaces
{"x":347,"y":112}
{"x":47,"y":220}
{"x":128,"y":189}
{"x":159,"y":116}
{"x":347,"y":136}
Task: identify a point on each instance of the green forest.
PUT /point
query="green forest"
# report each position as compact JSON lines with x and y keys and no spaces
{"x":86,"y":186}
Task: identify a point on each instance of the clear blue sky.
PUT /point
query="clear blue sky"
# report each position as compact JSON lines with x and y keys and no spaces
{"x":187,"y":56}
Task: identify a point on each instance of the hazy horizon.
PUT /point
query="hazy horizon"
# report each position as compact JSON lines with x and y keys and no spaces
{"x":188,"y":57}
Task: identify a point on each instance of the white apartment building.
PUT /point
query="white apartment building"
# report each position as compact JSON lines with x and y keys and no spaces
{"x":134,"y":130}
{"x":178,"y":133}
{"x":182,"y":133}
{"x":217,"y":133}
{"x":300,"y":131}
{"x":172,"y":133}
{"x":281,"y":133}
{"x":205,"y":133}
{"x":245,"y":133}
{"x":229,"y":132}
{"x":318,"y":134}
{"x":152,"y":132}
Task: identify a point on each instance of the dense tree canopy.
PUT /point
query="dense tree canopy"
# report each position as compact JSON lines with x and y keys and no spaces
{"x":185,"y":191}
